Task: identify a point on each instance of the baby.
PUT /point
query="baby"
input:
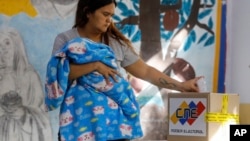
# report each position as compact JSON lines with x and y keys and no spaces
{"x":82,"y":50}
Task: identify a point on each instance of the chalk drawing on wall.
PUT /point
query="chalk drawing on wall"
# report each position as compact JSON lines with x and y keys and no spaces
{"x":55,"y":8}
{"x":22,"y":113}
{"x":21,"y":123}
{"x":16,"y":73}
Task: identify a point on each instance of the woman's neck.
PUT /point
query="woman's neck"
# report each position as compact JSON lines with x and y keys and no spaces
{"x":85,"y":33}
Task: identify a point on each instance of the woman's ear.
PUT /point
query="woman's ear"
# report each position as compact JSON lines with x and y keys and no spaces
{"x":86,"y":11}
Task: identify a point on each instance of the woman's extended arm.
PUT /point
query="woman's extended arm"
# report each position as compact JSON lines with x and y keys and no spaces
{"x":143,"y":71}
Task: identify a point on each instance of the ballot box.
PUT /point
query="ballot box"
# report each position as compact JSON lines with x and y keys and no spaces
{"x":201,"y":116}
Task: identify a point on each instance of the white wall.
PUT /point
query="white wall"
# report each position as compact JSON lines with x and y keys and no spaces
{"x":238,"y":49}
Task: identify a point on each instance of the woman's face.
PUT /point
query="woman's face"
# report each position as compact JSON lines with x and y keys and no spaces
{"x":101,"y":18}
{"x":6,"y":51}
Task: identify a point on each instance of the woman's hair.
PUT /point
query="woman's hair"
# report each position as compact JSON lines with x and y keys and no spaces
{"x":85,"y":7}
{"x":117,"y":35}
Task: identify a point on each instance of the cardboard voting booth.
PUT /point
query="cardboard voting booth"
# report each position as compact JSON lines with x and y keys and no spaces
{"x":201,"y":116}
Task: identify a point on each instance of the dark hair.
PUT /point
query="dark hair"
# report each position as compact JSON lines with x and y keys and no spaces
{"x":85,"y":7}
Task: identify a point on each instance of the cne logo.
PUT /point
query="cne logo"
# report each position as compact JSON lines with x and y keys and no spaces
{"x":187,"y":113}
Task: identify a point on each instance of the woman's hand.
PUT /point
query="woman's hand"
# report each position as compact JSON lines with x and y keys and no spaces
{"x":191,"y":85}
{"x":106,"y":71}
{"x":77,"y":70}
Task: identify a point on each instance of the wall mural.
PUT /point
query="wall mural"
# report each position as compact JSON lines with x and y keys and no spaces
{"x":53,"y":8}
{"x":21,"y":94}
{"x":178,"y":37}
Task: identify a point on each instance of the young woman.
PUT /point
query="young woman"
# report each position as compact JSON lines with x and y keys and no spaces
{"x":94,"y":21}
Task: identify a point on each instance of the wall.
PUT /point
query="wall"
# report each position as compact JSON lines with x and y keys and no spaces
{"x":238,"y":65}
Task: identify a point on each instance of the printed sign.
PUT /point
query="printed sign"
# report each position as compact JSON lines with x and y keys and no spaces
{"x":187,"y":116}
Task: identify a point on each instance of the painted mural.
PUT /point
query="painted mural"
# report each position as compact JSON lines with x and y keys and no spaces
{"x":179,"y":37}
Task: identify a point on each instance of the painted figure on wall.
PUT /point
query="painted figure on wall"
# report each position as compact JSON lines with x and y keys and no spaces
{"x":22,"y":123}
{"x":55,"y":8}
{"x":22,"y":114}
{"x":16,"y":73}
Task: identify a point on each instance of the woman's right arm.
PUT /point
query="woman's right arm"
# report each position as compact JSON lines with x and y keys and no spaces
{"x":77,"y":70}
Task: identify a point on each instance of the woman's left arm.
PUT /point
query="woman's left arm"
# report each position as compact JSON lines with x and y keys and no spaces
{"x":143,"y":71}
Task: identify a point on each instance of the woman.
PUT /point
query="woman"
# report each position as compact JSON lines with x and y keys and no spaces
{"x":94,"y":21}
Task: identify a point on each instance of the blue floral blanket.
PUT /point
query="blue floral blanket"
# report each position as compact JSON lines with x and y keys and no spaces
{"x":91,"y":109}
